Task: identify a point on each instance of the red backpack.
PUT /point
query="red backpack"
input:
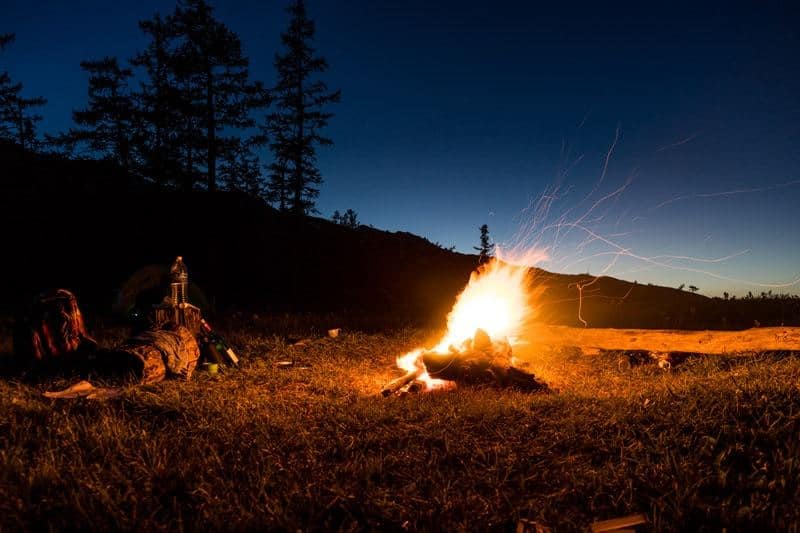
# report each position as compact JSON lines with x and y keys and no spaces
{"x":54,"y":329}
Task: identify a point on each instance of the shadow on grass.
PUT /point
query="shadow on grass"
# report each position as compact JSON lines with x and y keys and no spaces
{"x":101,"y":368}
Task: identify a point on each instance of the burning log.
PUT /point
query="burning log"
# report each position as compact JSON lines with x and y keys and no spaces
{"x":395,"y":385}
{"x":472,"y":368}
{"x":480,"y":361}
{"x":782,"y":339}
{"x":619,"y":524}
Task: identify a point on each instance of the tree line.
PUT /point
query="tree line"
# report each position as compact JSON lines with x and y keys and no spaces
{"x":186,"y":113}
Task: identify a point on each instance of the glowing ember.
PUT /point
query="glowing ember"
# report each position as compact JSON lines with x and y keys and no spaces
{"x":496,"y":300}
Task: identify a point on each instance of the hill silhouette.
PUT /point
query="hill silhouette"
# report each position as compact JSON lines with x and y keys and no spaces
{"x":84,"y":225}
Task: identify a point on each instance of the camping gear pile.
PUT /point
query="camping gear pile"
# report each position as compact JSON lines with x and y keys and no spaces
{"x":53,"y":335}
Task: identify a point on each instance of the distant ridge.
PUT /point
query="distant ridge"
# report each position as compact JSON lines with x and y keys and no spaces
{"x":84,"y":225}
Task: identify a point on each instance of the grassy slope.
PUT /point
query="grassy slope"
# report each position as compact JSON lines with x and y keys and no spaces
{"x":713,"y":442}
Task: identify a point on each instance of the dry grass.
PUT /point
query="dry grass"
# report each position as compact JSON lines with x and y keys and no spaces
{"x":712,"y":443}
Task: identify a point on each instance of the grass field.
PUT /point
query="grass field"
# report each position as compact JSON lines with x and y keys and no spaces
{"x":712,"y":443}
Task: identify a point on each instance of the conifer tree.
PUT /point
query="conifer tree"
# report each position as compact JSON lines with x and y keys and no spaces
{"x":17,"y":114}
{"x":6,"y":39}
{"x":300,"y":116}
{"x":349,"y":218}
{"x":17,"y":120}
{"x":197,"y":92}
{"x":486,"y":248}
{"x":157,"y":103}
{"x":106,"y":125}
{"x":277,"y":188}
{"x":214,"y":77}
{"x":6,"y":88}
{"x":240,"y":168}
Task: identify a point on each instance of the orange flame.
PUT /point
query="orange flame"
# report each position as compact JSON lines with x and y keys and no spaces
{"x":496,"y":300}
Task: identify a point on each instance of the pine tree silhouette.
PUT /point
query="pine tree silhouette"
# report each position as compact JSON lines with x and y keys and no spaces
{"x":214,"y":73}
{"x":158,"y":103}
{"x":197,"y":93}
{"x":240,"y":168}
{"x":106,"y":126}
{"x":17,"y":121}
{"x":294,"y":127}
{"x":277,"y":191}
{"x":486,"y":248}
{"x":23,"y":122}
{"x":6,"y":89}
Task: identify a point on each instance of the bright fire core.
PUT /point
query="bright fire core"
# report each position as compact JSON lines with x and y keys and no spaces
{"x":496,"y":300}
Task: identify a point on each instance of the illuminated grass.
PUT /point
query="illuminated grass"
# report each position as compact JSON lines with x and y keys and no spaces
{"x":713,"y":442}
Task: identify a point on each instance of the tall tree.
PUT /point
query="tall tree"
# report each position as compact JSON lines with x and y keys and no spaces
{"x":189,"y":137}
{"x":486,"y":248}
{"x":349,"y":219}
{"x":6,"y":88}
{"x":106,"y":126}
{"x":158,"y":104}
{"x":214,"y":75}
{"x":6,"y":39}
{"x":196,"y":99}
{"x":300,"y":115}
{"x":24,"y":120}
{"x":240,"y":168}
{"x":277,"y":188}
{"x":17,"y":120}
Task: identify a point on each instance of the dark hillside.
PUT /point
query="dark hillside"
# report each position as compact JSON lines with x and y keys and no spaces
{"x":85,"y":226}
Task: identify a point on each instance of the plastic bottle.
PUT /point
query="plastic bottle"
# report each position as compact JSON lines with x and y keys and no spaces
{"x":179,"y":282}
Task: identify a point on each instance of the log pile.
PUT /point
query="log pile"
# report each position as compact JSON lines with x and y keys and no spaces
{"x":402,"y":383}
{"x":478,"y":361}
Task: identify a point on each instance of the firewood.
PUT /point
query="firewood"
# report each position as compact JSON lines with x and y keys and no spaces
{"x":519,"y":379}
{"x":618,"y":524}
{"x":478,"y":369}
{"x":779,"y":339}
{"x":397,"y":384}
{"x":416,"y":386}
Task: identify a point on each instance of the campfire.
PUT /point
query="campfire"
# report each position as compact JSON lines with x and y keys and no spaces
{"x":477,"y":348}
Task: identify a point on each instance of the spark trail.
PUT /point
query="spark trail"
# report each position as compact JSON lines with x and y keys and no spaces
{"x":545,"y":228}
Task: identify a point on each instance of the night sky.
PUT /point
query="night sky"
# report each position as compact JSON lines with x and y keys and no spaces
{"x":466,"y":113}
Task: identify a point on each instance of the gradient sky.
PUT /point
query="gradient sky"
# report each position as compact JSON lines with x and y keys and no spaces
{"x":459,"y":113}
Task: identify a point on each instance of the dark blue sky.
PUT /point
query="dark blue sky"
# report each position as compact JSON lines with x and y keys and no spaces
{"x":463,"y":113}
